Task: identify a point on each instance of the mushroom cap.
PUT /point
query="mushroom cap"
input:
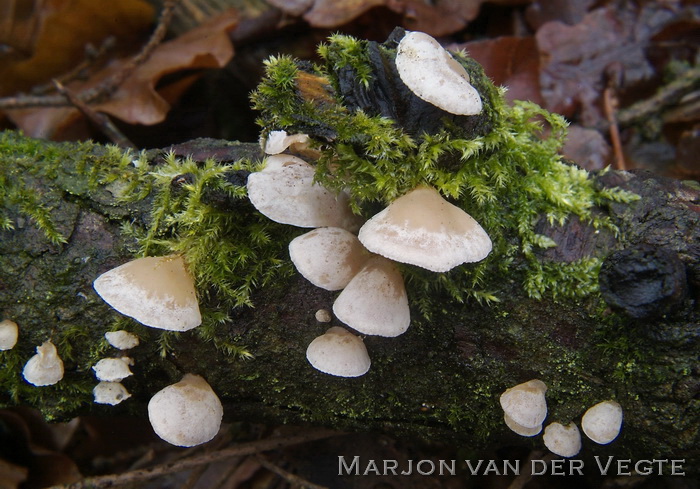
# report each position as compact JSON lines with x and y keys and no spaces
{"x":112,"y":369}
{"x":375,"y":300}
{"x":111,"y":393}
{"x":602,"y":422}
{"x":187,"y":413}
{"x":430,"y":72}
{"x":157,"y":291}
{"x":122,"y":340}
{"x":339,"y":352}
{"x":278,"y":141}
{"x":328,"y":257}
{"x":519,"y":429}
{"x":561,"y":440}
{"x":285,"y":192}
{"x":421,"y":228}
{"x":525,"y":403}
{"x":9,"y":332}
{"x":44,"y":368}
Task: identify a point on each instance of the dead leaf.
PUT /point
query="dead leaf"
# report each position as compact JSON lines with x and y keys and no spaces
{"x":139,"y":100}
{"x":575,"y":59}
{"x":50,"y":37}
{"x":587,"y":148}
{"x":512,"y":62}
{"x":540,"y":12}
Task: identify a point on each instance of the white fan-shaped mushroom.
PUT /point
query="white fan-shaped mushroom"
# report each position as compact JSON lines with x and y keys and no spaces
{"x":430,"y":72}
{"x":156,"y":291}
{"x":525,"y":403}
{"x":561,"y":440}
{"x":602,"y":422}
{"x":187,"y":413}
{"x":339,"y":352}
{"x":44,"y":368}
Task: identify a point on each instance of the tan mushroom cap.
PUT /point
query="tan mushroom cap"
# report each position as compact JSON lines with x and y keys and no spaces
{"x":156,"y":291}
{"x":328,"y":257}
{"x":602,"y":422}
{"x":525,"y":403}
{"x":9,"y":332}
{"x":187,"y":413}
{"x":339,"y":352}
{"x":519,"y":429}
{"x":423,"y":229}
{"x":430,"y":72}
{"x":44,"y":368}
{"x":561,"y":440}
{"x":285,"y":192}
{"x":278,"y":141}
{"x":375,"y":300}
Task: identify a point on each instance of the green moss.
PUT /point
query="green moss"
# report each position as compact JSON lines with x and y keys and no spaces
{"x":502,"y":167}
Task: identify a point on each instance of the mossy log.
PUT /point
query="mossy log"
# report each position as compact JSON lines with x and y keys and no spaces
{"x":440,"y":380}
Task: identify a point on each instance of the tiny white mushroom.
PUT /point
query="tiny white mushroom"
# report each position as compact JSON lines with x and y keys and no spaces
{"x":44,"y":368}
{"x":8,"y":334}
{"x":421,"y":228}
{"x":112,"y":369}
{"x":375,"y":300}
{"x":187,"y":413}
{"x":278,"y":141}
{"x":561,"y":440}
{"x":111,"y":393}
{"x":285,"y":192}
{"x":323,"y":316}
{"x":430,"y":72}
{"x":519,"y":429}
{"x":328,"y":257}
{"x":525,"y":403}
{"x":122,"y":340}
{"x":602,"y":422}
{"x":156,"y":291}
{"x":339,"y":352}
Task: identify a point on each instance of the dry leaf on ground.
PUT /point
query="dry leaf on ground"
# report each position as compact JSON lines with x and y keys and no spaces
{"x":138,"y":100}
{"x":51,"y":38}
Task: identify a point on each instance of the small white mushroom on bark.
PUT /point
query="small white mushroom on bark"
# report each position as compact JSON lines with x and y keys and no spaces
{"x":9,"y":332}
{"x":44,"y":368}
{"x":187,"y":413}
{"x":430,"y":72}
{"x":521,"y":430}
{"x":339,"y":352}
{"x":561,"y":440}
{"x":525,"y":403}
{"x":111,"y":393}
{"x":278,"y":141}
{"x":122,"y":340}
{"x":421,"y":228}
{"x":285,"y":192}
{"x":375,"y":300}
{"x":328,"y":257}
{"x":323,"y":316}
{"x":112,"y":369}
{"x":156,"y":291}
{"x":602,"y":422}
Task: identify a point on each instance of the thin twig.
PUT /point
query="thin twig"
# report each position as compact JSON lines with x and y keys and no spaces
{"x":293,"y":479}
{"x":109,"y":85}
{"x":103,"y":122}
{"x":249,"y":448}
{"x":609,"y":104}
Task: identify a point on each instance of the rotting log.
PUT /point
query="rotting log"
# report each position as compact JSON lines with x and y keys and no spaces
{"x":440,"y":380}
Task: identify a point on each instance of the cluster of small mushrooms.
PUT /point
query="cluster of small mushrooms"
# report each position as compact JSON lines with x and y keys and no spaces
{"x":525,"y":409}
{"x":420,"y":228}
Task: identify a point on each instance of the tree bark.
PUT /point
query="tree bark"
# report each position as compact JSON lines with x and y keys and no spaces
{"x":440,"y":380}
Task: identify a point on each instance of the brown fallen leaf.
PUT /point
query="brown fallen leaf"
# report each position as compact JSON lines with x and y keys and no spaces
{"x":139,"y":100}
{"x":512,"y":62}
{"x":438,"y":18}
{"x":576,"y":60}
{"x":50,"y":38}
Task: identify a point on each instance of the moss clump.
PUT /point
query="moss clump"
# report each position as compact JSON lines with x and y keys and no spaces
{"x":501,"y":166}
